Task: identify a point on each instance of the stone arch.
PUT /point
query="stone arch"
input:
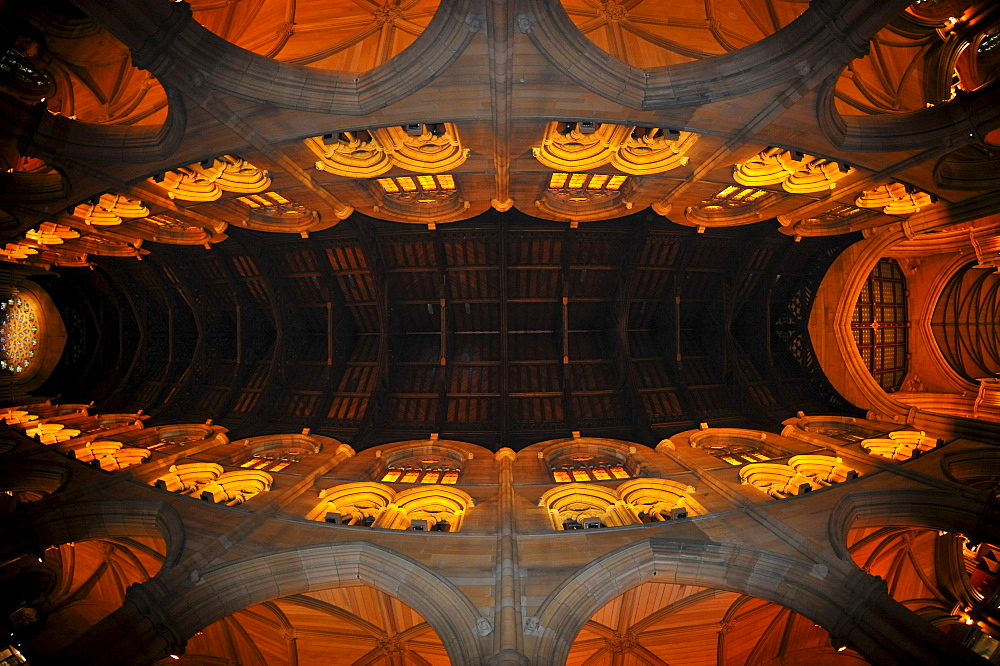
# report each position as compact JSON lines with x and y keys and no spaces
{"x":570,"y":505}
{"x":900,"y":445}
{"x":966,"y":119}
{"x":446,"y":454}
{"x":33,"y":477}
{"x":562,"y":452}
{"x":59,"y":138}
{"x":777,"y":481}
{"x":659,"y":497}
{"x":236,"y":487}
{"x":102,"y":519}
{"x":822,"y":470}
{"x":448,"y":611}
{"x":442,"y":507}
{"x":977,"y":468}
{"x":227,"y":68}
{"x":962,"y":512}
{"x":355,"y":503}
{"x":770,"y":576}
{"x":825,"y":42}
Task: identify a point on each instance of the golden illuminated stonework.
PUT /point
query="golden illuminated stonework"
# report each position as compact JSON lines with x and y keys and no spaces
{"x":206,"y":181}
{"x":895,"y":199}
{"x":422,"y":148}
{"x":796,"y":172}
{"x":633,"y":150}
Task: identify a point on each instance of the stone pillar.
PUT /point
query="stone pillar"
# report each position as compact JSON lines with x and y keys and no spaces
{"x":886,"y":632}
{"x":137,"y":633}
{"x":507,"y":640}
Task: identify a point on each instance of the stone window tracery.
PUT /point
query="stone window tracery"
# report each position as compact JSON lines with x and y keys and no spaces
{"x":880,"y":324}
{"x":427,"y":470}
{"x":209,"y":482}
{"x":19,"y":332}
{"x":582,"y":467}
{"x":49,"y":233}
{"x":418,"y":147}
{"x":432,"y":508}
{"x":207,"y":180}
{"x":778,"y":481}
{"x":423,"y":190}
{"x":896,"y":198}
{"x":839,"y":214}
{"x":737,"y":454}
{"x":900,"y":445}
{"x":634,"y":150}
{"x":734,"y":198}
{"x":796,"y":172}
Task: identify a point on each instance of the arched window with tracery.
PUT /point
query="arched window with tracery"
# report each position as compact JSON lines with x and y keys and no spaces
{"x":735,"y":449}
{"x":577,"y":506}
{"x":656,"y":500}
{"x":432,"y":468}
{"x":109,"y":455}
{"x":900,"y":445}
{"x":822,"y":471}
{"x":583,"y":466}
{"x":275,"y":453}
{"x":778,"y":481}
{"x":845,"y":432}
{"x":880,"y":324}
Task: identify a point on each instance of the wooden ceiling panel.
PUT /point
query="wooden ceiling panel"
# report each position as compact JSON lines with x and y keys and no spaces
{"x":474,"y":284}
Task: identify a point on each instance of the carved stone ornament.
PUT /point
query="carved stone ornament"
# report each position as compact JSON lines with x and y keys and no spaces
{"x":371,"y":153}
{"x":483,"y":627}
{"x":633,"y":150}
{"x":797,"y":173}
{"x":201,"y":182}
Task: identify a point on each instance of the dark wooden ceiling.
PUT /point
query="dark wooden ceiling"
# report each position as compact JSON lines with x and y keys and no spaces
{"x":503,"y":330}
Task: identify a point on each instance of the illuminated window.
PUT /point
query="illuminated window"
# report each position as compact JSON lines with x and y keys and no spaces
{"x":275,"y":460}
{"x":839,"y":213}
{"x":425,"y":190}
{"x":598,"y":182}
{"x":582,"y":467}
{"x":734,"y":196}
{"x":879,"y":324}
{"x":738,"y":454}
{"x":18,"y":334}
{"x":264,"y":200}
{"x":428,"y":470}
{"x":406,"y":184}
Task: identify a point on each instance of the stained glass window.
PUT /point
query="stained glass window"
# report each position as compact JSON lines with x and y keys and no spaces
{"x":19,"y":321}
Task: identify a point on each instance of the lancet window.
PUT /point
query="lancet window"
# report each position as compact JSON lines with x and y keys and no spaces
{"x":428,"y":470}
{"x":737,"y":454}
{"x":580,"y":468}
{"x":424,"y":189}
{"x":266,"y":201}
{"x":581,"y":186}
{"x":275,"y":460}
{"x":734,"y":197}
{"x":880,"y":324}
